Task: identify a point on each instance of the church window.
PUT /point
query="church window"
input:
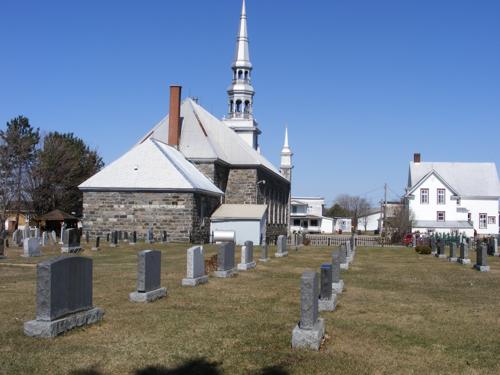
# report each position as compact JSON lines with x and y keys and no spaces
{"x":238,"y":106}
{"x":247,"y":106}
{"x":246,"y":74}
{"x":240,"y":74}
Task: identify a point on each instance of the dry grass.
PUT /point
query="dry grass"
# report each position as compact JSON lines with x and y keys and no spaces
{"x":402,"y":313}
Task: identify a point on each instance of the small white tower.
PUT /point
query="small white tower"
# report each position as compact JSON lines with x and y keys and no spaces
{"x":240,"y":115}
{"x":286,"y":159}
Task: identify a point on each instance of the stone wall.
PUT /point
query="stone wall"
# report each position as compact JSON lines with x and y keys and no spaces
{"x":241,"y":187}
{"x":180,"y":214}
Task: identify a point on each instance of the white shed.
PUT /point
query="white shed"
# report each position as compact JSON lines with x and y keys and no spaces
{"x":247,"y":220}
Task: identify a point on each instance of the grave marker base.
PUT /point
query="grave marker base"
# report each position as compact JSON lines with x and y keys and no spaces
{"x":453,"y":260}
{"x":225,"y":274}
{"x":71,"y":249}
{"x":281,"y":255}
{"x":328,"y":304}
{"x":95,"y":249}
{"x":264,"y":260}
{"x":308,"y":339}
{"x":337,"y":288}
{"x":246,"y":266}
{"x":464,"y":261}
{"x":146,"y":297}
{"x":195,"y":282}
{"x":38,"y":328}
{"x":113,"y":245}
{"x":482,"y":268}
{"x":441,"y":256}
{"x":344,"y":266}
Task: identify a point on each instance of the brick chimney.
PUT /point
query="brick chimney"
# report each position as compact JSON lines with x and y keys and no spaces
{"x":174,"y":117}
{"x":416,"y":158}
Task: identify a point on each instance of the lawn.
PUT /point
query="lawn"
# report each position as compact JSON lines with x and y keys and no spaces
{"x":400,"y":313}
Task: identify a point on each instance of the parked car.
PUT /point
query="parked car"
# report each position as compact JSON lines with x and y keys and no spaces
{"x":408,"y":239}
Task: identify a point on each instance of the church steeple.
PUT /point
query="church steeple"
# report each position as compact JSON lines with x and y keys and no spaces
{"x":241,"y":92}
{"x":286,"y":159}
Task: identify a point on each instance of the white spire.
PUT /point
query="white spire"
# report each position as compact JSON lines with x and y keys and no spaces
{"x":242,"y":54}
{"x":286,"y":159}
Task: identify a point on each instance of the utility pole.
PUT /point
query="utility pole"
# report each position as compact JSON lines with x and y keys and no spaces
{"x":385,"y":206}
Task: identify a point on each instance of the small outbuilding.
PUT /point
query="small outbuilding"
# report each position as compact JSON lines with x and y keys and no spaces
{"x":248,"y":221}
{"x":54,"y":220}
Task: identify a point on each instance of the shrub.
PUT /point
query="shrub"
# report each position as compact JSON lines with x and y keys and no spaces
{"x":423,"y":249}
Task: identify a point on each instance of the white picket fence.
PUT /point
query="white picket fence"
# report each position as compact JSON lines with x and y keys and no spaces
{"x":337,"y":240}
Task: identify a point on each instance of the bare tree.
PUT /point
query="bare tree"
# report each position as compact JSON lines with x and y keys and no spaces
{"x":356,"y":206}
{"x":400,"y":223}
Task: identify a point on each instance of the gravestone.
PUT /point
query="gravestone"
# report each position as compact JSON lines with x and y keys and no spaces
{"x":17,"y":237}
{"x":71,"y":241}
{"x":97,"y":243}
{"x":247,"y":261}
{"x":107,"y":237}
{"x":493,"y":246}
{"x":148,"y":277}
{"x":414,"y":241}
{"x":150,"y":236}
{"x":37,"y":233}
{"x":344,"y":264}
{"x":311,"y":329}
{"x":63,"y":228}
{"x":337,"y":282}
{"x":349,"y":255}
{"x":53,"y":235}
{"x":264,"y":254}
{"x":433,"y":246}
{"x":114,"y":239}
{"x":354,"y":243}
{"x":453,"y":252}
{"x":63,"y":297}
{"x":464,"y":254}
{"x":164,"y":237}
{"x":225,"y":260}
{"x":482,"y":258}
{"x":120,"y":236}
{"x":133,"y":240}
{"x":125,"y":236}
{"x":31,"y":248}
{"x":327,"y":299}
{"x":441,"y":253}
{"x":282,"y":250}
{"x":87,"y":237}
{"x":45,"y":239}
{"x":26,"y":232}
{"x":195,"y":274}
{"x":2,"y":249}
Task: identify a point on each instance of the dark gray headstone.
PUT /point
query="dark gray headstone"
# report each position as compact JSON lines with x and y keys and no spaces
{"x":71,"y":241}
{"x":64,"y":286}
{"x":225,"y":256}
{"x":482,"y":255}
{"x":107,"y":237}
{"x":87,"y":237}
{"x":453,"y":250}
{"x":134,"y":237}
{"x":441,"y":248}
{"x":464,"y":251}
{"x":326,"y":281}
{"x":309,"y":291}
{"x":336,"y":260}
{"x":343,"y":253}
{"x":150,"y":236}
{"x":97,"y":242}
{"x":164,"y":236}
{"x":148,"y":270}
{"x":2,"y":248}
{"x":282,"y":244}
{"x":434,"y":245}
{"x":264,"y":251}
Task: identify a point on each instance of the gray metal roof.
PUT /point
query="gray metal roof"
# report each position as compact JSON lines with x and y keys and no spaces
{"x":442,"y":224}
{"x":467,"y":179}
{"x":239,"y":212}
{"x":204,"y":137}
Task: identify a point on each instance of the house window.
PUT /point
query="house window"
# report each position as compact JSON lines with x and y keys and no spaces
{"x":492,"y":220}
{"x":314,"y":223}
{"x":296,"y":223}
{"x":441,"y":216}
{"x":294,"y":209}
{"x":441,"y":196}
{"x":482,"y":221}
{"x":424,"y":196}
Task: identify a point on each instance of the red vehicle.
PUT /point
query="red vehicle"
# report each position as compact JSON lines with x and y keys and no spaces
{"x":408,"y":239}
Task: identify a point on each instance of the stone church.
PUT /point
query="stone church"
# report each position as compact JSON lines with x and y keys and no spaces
{"x":189,"y":164}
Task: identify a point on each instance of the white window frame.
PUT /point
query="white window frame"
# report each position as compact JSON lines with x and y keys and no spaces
{"x":441,"y":193}
{"x":492,"y":220}
{"x":422,"y":195}
{"x":483,"y":221}
{"x":444,"y":216}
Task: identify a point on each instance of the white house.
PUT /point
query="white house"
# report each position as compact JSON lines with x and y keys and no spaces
{"x":307,"y":216}
{"x":453,"y":197}
{"x":374,"y":219}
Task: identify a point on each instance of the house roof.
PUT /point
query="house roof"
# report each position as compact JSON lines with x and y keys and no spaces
{"x":465,"y":179}
{"x":57,"y":215}
{"x":204,"y":137}
{"x":442,"y":224}
{"x":240,"y":212}
{"x":151,"y":166}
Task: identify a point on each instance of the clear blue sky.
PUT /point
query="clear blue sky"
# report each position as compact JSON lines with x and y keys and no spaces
{"x":362,"y":84}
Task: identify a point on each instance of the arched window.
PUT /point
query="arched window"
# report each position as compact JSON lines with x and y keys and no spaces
{"x":240,"y":74}
{"x":238,"y":106}
{"x":231,"y":106}
{"x":246,"y":74}
{"x":247,"y":106}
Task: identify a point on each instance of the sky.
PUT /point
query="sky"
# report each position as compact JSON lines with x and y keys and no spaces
{"x":361,"y":84}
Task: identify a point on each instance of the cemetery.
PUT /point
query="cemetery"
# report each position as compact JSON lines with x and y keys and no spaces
{"x":296,"y":314}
